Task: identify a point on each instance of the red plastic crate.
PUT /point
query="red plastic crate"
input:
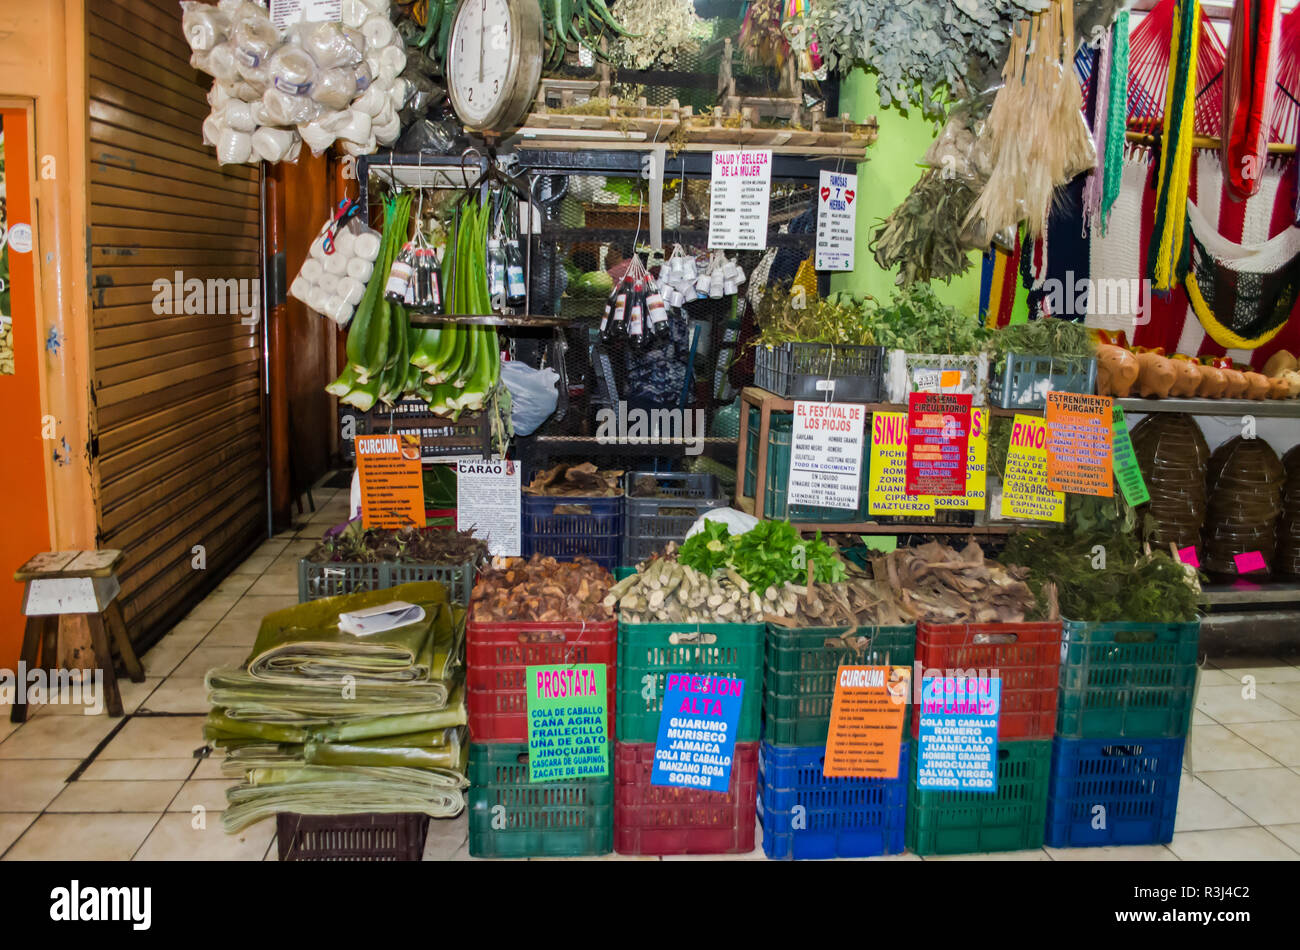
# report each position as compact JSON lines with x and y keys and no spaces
{"x":496,"y":655}
{"x":1030,"y":667}
{"x":656,"y":819}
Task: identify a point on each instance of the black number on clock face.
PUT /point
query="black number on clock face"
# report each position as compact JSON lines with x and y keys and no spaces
{"x":496,"y":84}
{"x":471,"y":94}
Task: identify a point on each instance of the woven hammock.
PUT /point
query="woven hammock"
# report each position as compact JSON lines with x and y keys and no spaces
{"x":1284,"y":123}
{"x":1242,"y":294}
{"x":1148,"y":72}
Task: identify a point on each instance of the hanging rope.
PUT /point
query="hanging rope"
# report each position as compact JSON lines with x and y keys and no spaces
{"x":1169,"y":240}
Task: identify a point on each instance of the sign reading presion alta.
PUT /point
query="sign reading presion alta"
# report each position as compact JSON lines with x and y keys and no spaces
{"x":392,"y":480}
{"x":697,"y":732}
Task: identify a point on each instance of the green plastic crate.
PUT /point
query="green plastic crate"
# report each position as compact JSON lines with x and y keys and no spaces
{"x":648,"y":652}
{"x":1011,"y":819}
{"x":778,"y":475}
{"x":330,"y":579}
{"x":509,"y":817}
{"x":799,"y":676}
{"x":1127,"y":679}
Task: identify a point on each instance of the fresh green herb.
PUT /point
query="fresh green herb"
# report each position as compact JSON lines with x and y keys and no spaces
{"x":707,"y":550}
{"x":1045,"y":337}
{"x":767,"y":555}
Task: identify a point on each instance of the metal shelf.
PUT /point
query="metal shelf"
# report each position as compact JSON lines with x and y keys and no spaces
{"x":1266,"y":408}
{"x":1252,"y":592}
{"x":522,"y":320}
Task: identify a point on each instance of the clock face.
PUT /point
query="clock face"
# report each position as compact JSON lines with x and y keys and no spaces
{"x":480,"y":67}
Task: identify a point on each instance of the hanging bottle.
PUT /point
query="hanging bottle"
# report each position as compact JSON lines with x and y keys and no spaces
{"x":496,"y":270}
{"x":399,"y":275}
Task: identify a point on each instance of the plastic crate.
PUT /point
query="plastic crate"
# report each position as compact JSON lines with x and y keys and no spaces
{"x":799,"y":675}
{"x":509,"y":817}
{"x":440,"y":437}
{"x":1010,"y":819}
{"x":591,"y":527}
{"x":1127,"y":679}
{"x":658,"y":819}
{"x":839,"y":817}
{"x":849,"y":373}
{"x":1134,"y":780}
{"x":362,"y":837}
{"x":496,"y":655}
{"x":332,"y":578}
{"x":778,"y":476}
{"x":1027,"y":379}
{"x":1029,"y":666}
{"x":900,"y":376}
{"x":647,"y":525}
{"x":648,"y":652}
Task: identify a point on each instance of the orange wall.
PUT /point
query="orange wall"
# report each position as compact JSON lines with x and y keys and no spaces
{"x":48,"y":499}
{"x":27,"y":525}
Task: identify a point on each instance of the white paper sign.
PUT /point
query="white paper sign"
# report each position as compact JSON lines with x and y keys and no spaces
{"x":739,"y":191}
{"x":826,"y":454}
{"x":385,"y":617}
{"x":836,"y":194}
{"x":488,"y":503}
{"x":288,"y":12}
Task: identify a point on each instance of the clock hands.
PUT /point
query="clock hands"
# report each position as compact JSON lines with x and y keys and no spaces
{"x":482,"y":39}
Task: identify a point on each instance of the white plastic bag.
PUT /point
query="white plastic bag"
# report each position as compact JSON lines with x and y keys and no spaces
{"x":737,"y":522}
{"x":533,"y":394}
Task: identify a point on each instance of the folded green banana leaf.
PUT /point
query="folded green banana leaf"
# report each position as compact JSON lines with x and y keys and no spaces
{"x":221,"y":726}
{"x":247,"y":697}
{"x":435,"y":749}
{"x":325,"y":790}
{"x":304,"y":642}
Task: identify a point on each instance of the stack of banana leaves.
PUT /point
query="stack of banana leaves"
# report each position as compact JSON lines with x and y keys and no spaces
{"x":453,"y":368}
{"x":322,"y":722}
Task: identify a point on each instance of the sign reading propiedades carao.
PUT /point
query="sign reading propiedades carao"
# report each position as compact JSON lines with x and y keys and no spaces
{"x":958,"y":737}
{"x":697,"y":732}
{"x":567,"y":716}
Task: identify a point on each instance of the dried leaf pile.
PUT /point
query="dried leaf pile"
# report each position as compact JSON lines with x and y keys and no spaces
{"x":855,"y":601}
{"x":355,"y":544}
{"x":935,"y":583}
{"x":584,"y":479}
{"x":541,"y":590}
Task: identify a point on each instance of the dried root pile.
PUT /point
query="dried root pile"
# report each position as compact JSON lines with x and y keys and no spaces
{"x":541,"y":590}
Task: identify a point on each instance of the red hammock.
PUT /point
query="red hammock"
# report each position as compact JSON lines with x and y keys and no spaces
{"x":1285,"y":121}
{"x":1148,"y":72}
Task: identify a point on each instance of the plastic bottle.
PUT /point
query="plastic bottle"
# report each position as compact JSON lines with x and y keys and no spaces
{"x":399,"y":277}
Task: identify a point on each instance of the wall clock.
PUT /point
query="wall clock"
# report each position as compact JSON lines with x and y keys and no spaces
{"x":494,"y":62}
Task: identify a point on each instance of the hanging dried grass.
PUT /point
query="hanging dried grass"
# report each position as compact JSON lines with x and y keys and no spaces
{"x":1036,"y":133}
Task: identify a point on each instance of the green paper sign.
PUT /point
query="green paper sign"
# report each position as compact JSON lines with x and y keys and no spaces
{"x":1124,"y":461}
{"x":880,"y":542}
{"x":568,"y":736}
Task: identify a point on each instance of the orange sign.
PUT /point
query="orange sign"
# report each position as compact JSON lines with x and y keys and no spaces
{"x":392,"y":480}
{"x":867,"y":721}
{"x":1079,"y":444}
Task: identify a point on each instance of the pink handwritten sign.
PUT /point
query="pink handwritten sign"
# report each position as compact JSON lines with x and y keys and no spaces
{"x":1249,"y":561}
{"x":1188,"y":556}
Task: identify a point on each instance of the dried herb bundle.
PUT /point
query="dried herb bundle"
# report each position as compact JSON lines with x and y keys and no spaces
{"x":922,"y":235}
{"x":785,"y":315}
{"x":936,"y":583}
{"x":1046,"y":337}
{"x":355,"y":544}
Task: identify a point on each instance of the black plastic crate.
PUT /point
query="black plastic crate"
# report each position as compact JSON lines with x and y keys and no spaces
{"x":821,"y":371}
{"x":440,"y":437}
{"x":650,"y":523}
{"x":369,"y":836}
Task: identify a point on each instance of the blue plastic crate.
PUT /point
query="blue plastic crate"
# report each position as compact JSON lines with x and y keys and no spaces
{"x":583,"y":527}
{"x":1135,"y":781}
{"x":841,"y":818}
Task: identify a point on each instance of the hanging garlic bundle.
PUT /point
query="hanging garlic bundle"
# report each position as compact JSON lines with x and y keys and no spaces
{"x":1036,"y":133}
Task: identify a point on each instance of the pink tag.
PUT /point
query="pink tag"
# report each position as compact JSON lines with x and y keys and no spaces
{"x":1188,"y":556}
{"x":1249,"y":562}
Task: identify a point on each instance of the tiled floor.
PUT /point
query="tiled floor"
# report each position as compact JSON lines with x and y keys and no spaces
{"x":89,"y":787}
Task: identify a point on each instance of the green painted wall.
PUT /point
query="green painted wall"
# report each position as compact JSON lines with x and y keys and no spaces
{"x":883,"y":182}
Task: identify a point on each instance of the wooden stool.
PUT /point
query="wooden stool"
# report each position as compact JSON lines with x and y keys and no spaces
{"x":74,"y":582}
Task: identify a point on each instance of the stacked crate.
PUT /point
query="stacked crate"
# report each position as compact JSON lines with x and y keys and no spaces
{"x":657,"y":819}
{"x":804,"y":814}
{"x":1027,"y":658}
{"x":509,"y":817}
{"x":1126,"y":694}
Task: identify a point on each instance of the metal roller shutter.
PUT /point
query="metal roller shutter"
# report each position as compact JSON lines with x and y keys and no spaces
{"x":178,"y":397}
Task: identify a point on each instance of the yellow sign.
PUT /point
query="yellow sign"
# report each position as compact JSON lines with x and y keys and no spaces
{"x":977,"y":452}
{"x":1024,"y":490}
{"x":889,"y":469}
